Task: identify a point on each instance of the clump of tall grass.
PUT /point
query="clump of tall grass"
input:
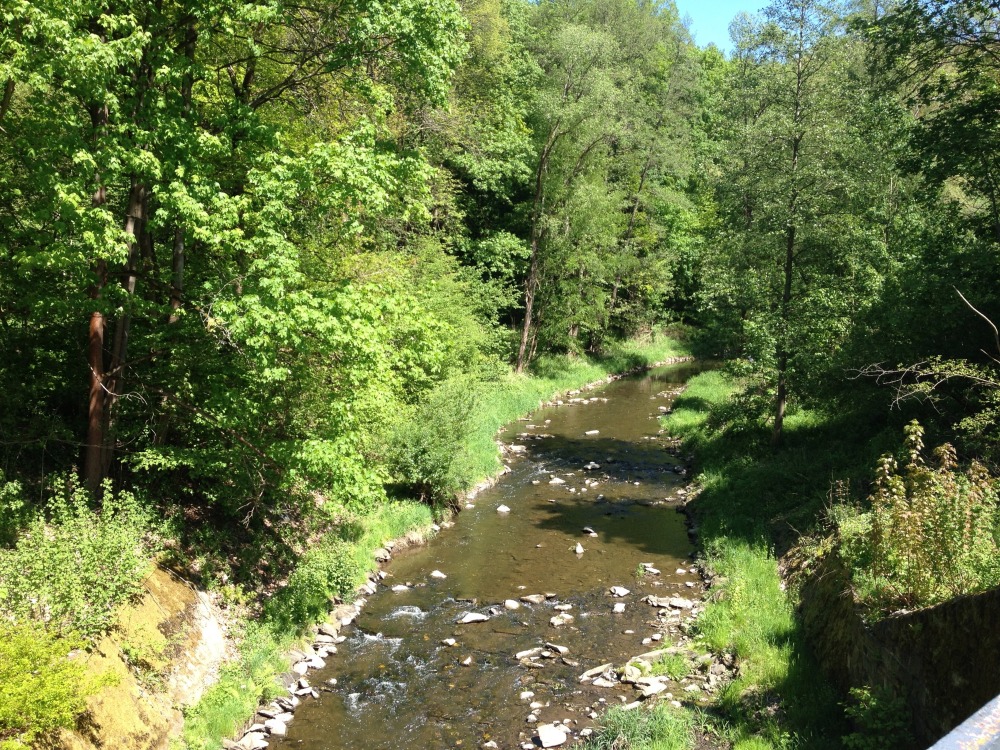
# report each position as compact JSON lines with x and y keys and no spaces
{"x":659,"y":728}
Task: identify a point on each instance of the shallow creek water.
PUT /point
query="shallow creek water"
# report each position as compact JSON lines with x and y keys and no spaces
{"x":399,"y":686}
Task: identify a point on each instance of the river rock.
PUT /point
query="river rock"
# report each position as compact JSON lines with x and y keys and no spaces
{"x":276,"y":727}
{"x":470,"y":617}
{"x":619,"y":591}
{"x":549,"y":735}
{"x":300,"y":668}
{"x":631,"y":673}
{"x":511,"y":604}
{"x":648,"y":691}
{"x":594,"y":672}
{"x":561,"y":650}
{"x":503,"y":509}
{"x":562,"y":607}
{"x":517,"y":448}
{"x":557,"y":480}
{"x":330,"y":629}
{"x":253,"y":741}
{"x":561,"y":619}
{"x":679,"y":603}
{"x":400,"y":587}
{"x":579,"y":549}
{"x":528,"y":653}
{"x":591,"y":466}
{"x":592,"y":432}
{"x":437,"y":574}
{"x":533,"y":598}
{"x":657,"y":601}
{"x":382,"y":555}
{"x":619,"y":608}
{"x":604,"y":682}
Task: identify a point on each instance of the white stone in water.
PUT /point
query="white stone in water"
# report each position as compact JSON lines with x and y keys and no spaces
{"x":400,"y":587}
{"x":528,"y":653}
{"x":561,"y":650}
{"x":471,"y":617}
{"x":560,"y":620}
{"x":619,"y":608}
{"x":511,"y":604}
{"x":681,"y":571}
{"x":647,"y":641}
{"x":467,"y":661}
{"x":619,"y":591}
{"x":533,"y":598}
{"x":550,"y":735}
{"x":592,"y":432}
{"x":602,"y":682}
{"x":448,"y":642}
{"x":557,"y":480}
{"x":591,"y":466}
{"x":300,"y":668}
{"x":276,"y":727}
{"x":678,"y":603}
{"x":656,"y":636}
{"x":536,"y":704}
{"x":503,"y":509}
{"x":563,"y":607}
{"x":531,"y":719}
{"x":526,"y":694}
{"x":579,"y":548}
{"x":437,"y":574}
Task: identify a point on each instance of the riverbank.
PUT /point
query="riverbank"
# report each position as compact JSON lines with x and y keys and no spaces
{"x":751,"y":506}
{"x":334,"y":570}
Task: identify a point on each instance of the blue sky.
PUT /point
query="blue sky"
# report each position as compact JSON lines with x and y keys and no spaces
{"x":710,"y":18}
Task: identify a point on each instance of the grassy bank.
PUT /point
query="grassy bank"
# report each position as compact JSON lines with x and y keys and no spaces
{"x":754,"y":504}
{"x":338,"y":565}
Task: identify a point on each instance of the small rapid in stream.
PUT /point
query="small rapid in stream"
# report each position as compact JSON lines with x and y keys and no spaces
{"x":398,"y":682}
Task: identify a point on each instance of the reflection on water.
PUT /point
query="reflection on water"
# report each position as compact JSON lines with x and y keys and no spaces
{"x":399,"y":684}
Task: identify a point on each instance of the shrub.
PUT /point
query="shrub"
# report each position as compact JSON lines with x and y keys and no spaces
{"x":41,"y":688}
{"x":324,"y":572}
{"x":931,"y":533}
{"x":72,"y":570}
{"x":430,"y":451}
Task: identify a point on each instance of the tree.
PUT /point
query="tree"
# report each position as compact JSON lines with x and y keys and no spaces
{"x":797,"y":258}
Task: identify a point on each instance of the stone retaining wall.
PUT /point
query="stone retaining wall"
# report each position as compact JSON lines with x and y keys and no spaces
{"x":943,"y":660}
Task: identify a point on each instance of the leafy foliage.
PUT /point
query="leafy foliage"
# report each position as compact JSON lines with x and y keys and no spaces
{"x":72,"y":570}
{"x":933,"y":531}
{"x":42,"y":686}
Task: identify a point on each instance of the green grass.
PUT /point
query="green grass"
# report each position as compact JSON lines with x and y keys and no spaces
{"x":658,"y":728}
{"x":674,"y":666}
{"x":757,"y":502}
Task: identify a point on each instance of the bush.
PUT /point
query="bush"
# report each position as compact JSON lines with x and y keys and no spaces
{"x":931,"y":533}
{"x":41,"y":688}
{"x":323,"y":572}
{"x":430,"y":450}
{"x":72,"y":571}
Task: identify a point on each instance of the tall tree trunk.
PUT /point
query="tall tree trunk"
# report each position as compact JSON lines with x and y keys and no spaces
{"x":93,"y":463}
{"x":524,"y":354}
{"x":781,"y":395}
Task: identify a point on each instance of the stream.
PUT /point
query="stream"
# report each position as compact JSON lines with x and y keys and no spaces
{"x":399,"y":682}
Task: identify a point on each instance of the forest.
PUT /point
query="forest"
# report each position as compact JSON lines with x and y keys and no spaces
{"x":270,"y":272}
